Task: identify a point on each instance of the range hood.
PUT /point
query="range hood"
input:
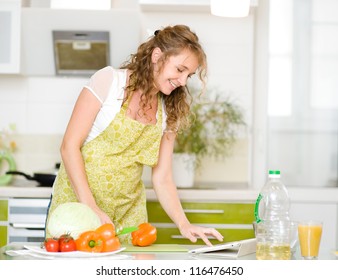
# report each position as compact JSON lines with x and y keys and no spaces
{"x":80,"y":53}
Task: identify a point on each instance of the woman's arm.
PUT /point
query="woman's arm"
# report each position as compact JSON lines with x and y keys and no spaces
{"x":84,"y":113}
{"x":167,"y":195}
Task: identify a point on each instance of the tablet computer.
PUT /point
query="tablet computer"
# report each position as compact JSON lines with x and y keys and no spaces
{"x":232,"y":249}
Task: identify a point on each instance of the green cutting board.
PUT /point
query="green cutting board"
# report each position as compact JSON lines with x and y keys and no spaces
{"x":156,"y":248}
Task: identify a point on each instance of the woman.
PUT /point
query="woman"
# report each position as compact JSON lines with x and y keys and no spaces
{"x":124,"y":119}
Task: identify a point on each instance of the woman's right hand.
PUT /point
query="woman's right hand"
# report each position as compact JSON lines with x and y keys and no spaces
{"x":104,"y":218}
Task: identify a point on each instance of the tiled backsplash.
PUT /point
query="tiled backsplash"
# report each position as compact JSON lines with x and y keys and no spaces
{"x":37,"y":153}
{"x":40,"y":152}
{"x":38,"y":105}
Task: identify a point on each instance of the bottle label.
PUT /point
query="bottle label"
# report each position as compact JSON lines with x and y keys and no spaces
{"x":259,"y":198}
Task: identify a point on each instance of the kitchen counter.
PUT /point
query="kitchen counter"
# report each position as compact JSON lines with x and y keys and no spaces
{"x":196,"y":194}
{"x":180,"y":254}
{"x":214,"y":194}
{"x":25,"y":192}
{"x":147,"y":254}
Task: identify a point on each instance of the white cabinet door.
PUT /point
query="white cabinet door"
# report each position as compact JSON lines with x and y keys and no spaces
{"x":325,"y":212}
{"x":10,"y":14}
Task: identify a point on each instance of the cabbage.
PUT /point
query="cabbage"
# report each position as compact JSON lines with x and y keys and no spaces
{"x":71,"y":218}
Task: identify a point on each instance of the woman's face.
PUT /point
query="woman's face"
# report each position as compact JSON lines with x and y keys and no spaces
{"x":175,"y":72}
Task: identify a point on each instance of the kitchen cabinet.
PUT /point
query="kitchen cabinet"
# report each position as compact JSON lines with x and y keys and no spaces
{"x":228,"y":210}
{"x":22,"y":219}
{"x":10,"y":15}
{"x":26,"y":219}
{"x":232,"y":220}
{"x":3,"y":222}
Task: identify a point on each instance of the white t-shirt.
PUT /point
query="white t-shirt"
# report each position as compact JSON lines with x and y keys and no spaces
{"x":108,"y":85}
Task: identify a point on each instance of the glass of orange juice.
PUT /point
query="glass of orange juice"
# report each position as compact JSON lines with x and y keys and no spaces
{"x":310,"y":233}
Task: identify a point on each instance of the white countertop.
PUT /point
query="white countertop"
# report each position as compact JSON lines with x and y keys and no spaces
{"x":142,"y":253}
{"x":323,"y":195}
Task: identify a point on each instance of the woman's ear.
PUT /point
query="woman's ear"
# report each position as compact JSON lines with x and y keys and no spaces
{"x":156,"y":55}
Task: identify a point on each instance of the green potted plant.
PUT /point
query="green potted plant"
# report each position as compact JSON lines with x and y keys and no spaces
{"x":215,"y":123}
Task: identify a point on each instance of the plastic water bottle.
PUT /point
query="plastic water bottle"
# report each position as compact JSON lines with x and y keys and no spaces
{"x":273,"y":221}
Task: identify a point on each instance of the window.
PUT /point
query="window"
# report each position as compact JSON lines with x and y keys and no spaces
{"x":280,"y":61}
{"x":303,"y":64}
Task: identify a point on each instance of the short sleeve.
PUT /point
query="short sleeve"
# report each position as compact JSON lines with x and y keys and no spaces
{"x":100,"y":82}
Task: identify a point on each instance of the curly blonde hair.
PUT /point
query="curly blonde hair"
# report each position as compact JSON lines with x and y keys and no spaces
{"x":172,"y":40}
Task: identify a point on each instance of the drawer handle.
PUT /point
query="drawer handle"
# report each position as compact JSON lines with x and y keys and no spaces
{"x":182,"y":237}
{"x":27,"y":226}
{"x":203,"y":211}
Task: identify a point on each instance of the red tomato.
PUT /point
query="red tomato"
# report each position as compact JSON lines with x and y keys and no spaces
{"x":51,"y":245}
{"x":64,"y":236}
{"x":67,"y":243}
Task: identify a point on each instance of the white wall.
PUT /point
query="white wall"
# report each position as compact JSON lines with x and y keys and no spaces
{"x":41,"y":105}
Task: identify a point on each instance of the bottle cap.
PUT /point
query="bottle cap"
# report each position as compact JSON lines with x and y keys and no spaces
{"x":274,"y":174}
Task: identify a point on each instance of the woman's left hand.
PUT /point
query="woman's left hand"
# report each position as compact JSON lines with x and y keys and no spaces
{"x":192,"y":232}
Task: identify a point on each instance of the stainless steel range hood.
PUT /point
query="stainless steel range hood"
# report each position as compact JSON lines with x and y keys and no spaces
{"x":80,"y":53}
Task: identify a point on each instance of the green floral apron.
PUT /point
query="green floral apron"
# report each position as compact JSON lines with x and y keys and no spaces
{"x":114,"y":163}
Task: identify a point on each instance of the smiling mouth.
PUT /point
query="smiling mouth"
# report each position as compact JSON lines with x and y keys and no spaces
{"x":173,"y":84}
